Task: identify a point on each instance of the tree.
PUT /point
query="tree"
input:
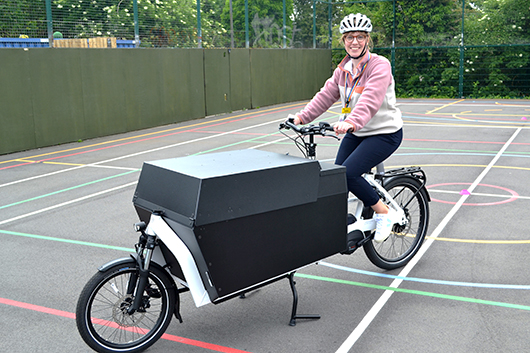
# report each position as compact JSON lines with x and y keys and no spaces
{"x":23,"y":18}
{"x":324,"y":13}
{"x":82,"y":19}
{"x":265,"y":21}
{"x":498,"y":71}
{"x":162,"y":23}
{"x":498,"y":22}
{"x":214,"y":33}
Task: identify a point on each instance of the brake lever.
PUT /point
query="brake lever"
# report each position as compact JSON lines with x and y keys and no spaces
{"x":286,"y":126}
{"x":331,"y":135}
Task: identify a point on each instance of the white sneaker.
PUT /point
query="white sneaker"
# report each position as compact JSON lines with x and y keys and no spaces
{"x":384,"y":223}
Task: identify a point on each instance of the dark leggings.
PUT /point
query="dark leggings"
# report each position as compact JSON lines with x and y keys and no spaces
{"x":359,"y":155}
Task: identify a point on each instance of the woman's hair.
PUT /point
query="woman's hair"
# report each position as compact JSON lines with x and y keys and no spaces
{"x":370,"y":41}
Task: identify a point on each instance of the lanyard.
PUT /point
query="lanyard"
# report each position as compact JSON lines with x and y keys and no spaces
{"x":355,"y":83}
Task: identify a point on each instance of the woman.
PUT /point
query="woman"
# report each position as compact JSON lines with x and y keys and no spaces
{"x":370,"y":119}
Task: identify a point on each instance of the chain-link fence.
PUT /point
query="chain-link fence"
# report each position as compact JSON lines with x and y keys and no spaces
{"x":154,"y":23}
{"x":438,"y":48}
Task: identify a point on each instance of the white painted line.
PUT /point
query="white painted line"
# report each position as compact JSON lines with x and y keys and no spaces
{"x":41,"y":176}
{"x":465,"y":124}
{"x":66,"y":203}
{"x":111,"y":160}
{"x":97,"y":164}
{"x":374,"y":311}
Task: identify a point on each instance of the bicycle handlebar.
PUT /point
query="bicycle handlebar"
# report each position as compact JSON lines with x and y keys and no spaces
{"x":319,"y":129}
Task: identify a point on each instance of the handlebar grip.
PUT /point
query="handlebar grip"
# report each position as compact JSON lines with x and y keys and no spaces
{"x":289,"y":124}
{"x":325,"y":126}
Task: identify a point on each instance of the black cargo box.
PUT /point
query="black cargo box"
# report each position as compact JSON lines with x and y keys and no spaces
{"x":252,"y":215}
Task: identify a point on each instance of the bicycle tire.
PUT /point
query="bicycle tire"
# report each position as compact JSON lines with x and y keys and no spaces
{"x":404,"y":241}
{"x":101,"y":316}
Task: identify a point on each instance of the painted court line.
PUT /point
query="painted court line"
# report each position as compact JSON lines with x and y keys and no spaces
{"x":68,"y":241}
{"x":417,"y":292}
{"x":65,"y":203}
{"x":195,"y":126}
{"x":445,"y":105}
{"x":427,"y":280}
{"x":112,"y":160}
{"x":324,"y":263}
{"x":183,"y":340}
{"x":138,"y":153}
{"x":374,"y":311}
{"x":481,"y":194}
{"x":68,"y":189}
{"x":302,"y":275}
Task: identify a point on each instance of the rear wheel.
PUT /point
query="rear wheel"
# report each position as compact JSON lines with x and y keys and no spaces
{"x":404,"y":241}
{"x":102,"y":317}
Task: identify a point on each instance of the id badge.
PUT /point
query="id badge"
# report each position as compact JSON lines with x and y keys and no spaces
{"x":345,"y":112}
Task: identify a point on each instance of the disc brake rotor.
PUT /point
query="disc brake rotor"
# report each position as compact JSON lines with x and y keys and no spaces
{"x":120,"y":314}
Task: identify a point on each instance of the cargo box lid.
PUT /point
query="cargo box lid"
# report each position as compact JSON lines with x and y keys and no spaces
{"x":208,"y":188}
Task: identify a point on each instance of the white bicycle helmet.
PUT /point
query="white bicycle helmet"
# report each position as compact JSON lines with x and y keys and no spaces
{"x":355,"y":22}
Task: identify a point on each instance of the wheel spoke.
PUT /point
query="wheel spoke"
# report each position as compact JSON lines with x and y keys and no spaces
{"x":102,"y":314}
{"x":405,"y":240}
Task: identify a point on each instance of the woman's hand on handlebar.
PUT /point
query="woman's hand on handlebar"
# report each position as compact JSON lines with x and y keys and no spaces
{"x":343,"y":127}
{"x":296,"y":119}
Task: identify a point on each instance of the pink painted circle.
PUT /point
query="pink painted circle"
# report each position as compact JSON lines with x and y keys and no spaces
{"x":513,"y":197}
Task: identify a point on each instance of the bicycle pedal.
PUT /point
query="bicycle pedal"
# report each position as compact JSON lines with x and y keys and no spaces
{"x":350,"y":250}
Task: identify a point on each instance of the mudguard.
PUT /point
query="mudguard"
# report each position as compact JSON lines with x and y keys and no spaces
{"x":415,"y":173}
{"x":132,"y":259}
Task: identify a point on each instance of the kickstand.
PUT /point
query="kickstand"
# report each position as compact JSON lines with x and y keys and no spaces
{"x":294,"y":316}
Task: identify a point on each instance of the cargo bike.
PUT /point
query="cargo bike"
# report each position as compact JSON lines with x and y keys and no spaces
{"x":222,"y":224}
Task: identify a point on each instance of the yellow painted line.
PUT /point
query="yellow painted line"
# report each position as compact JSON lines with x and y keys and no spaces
{"x":158,"y":132}
{"x":477,"y":241}
{"x":491,"y":122}
{"x":461,"y":125}
{"x":445,"y":106}
{"x":494,"y":115}
{"x":459,"y":118}
{"x":460,"y":165}
{"x":70,"y":164}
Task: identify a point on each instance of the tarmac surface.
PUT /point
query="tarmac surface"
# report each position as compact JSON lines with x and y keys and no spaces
{"x":66,"y":210}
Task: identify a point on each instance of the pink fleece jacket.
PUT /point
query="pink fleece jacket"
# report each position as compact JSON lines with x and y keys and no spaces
{"x":373,"y":104}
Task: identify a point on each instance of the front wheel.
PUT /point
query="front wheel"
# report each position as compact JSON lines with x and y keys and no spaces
{"x":404,"y":241}
{"x":102,"y":317}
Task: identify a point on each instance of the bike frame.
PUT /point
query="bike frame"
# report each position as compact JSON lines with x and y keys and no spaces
{"x":366,"y":225}
{"x":159,"y":228}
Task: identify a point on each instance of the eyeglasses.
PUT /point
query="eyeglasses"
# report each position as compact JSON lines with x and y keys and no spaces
{"x":360,"y":38}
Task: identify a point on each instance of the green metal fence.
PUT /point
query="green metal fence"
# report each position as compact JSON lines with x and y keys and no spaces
{"x":53,"y":96}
